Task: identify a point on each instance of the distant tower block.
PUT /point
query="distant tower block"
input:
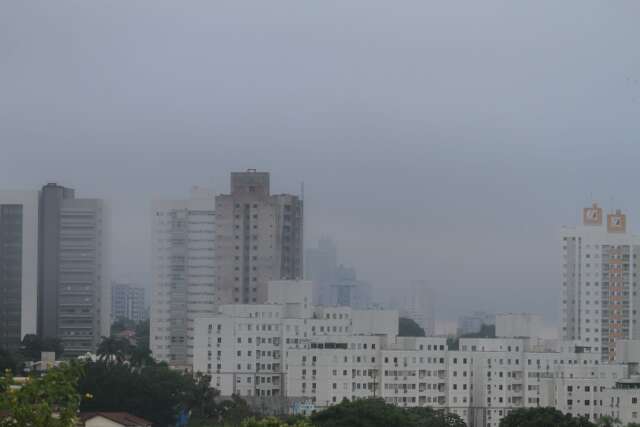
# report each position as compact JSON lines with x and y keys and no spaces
{"x":598,"y":282}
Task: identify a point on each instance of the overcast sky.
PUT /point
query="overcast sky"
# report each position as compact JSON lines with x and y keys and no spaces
{"x":445,"y":141}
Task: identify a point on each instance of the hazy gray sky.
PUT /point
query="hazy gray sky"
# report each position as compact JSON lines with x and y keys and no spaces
{"x":439,"y":140}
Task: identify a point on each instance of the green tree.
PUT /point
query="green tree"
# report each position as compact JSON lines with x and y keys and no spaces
{"x":33,"y":346}
{"x":50,"y":400}
{"x":201,"y":398}
{"x":362,"y":413}
{"x":607,"y":421}
{"x":122,"y":324}
{"x":409,"y":328}
{"x":142,"y":333}
{"x":272,"y":422}
{"x":114,"y":350}
{"x":233,"y":411}
{"x":155,"y":392}
{"x":429,"y":417}
{"x":140,"y":356}
{"x":543,"y":417}
{"x":8,"y":361}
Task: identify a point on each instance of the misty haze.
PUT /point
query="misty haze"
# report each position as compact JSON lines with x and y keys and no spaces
{"x":468,"y":169}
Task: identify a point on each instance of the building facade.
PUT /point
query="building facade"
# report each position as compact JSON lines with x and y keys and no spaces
{"x":519,"y":325}
{"x":73,"y":279}
{"x":18,"y":266}
{"x":245,"y":347}
{"x":127,"y":302}
{"x":317,"y":356}
{"x":259,"y":237}
{"x":184,"y":274}
{"x":472,"y":323}
{"x":599,"y":281}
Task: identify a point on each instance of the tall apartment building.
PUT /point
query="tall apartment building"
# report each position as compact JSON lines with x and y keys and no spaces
{"x":127,"y":302}
{"x":73,"y":269}
{"x":599,"y":281}
{"x":183,"y":248}
{"x":258,"y":238}
{"x":18,"y":266}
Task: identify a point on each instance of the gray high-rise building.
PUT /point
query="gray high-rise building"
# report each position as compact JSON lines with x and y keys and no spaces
{"x":18,"y":266}
{"x":73,"y":284}
{"x":127,"y":302}
{"x":258,"y":238}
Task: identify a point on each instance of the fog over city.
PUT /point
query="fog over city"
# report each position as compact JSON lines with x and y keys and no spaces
{"x":438,"y":141}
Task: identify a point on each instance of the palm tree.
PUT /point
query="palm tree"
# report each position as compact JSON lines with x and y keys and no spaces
{"x":114,"y":350}
{"x":141,"y":356}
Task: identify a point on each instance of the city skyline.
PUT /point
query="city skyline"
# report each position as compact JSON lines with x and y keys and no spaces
{"x":446,"y":142}
{"x":445,"y":324}
{"x":407,"y":213}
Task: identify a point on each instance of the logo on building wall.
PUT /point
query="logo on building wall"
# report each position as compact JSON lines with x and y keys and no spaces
{"x":617,"y":222}
{"x":592,"y":215}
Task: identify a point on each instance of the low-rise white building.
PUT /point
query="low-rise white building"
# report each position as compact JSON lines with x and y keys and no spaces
{"x":321,"y":355}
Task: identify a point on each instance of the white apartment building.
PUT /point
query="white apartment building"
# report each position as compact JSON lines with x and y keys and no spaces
{"x":290,"y":349}
{"x":183,"y":247}
{"x":244,"y":347}
{"x":599,"y":282}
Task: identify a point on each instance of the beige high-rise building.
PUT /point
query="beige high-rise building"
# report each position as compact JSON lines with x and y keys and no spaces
{"x":258,"y":238}
{"x":599,"y":282}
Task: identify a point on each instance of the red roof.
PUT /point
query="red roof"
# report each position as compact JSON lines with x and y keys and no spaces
{"x":123,"y":418}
